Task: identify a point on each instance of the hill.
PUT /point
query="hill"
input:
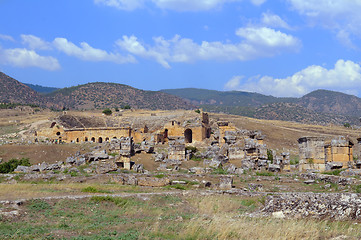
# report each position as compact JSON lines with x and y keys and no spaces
{"x":13,"y":91}
{"x":41,"y":89}
{"x":331,"y":102}
{"x":226,"y":98}
{"x":104,"y":95}
{"x":318,"y":107}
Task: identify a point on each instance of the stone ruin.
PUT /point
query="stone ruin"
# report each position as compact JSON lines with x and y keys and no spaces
{"x":125,"y":148}
{"x":316,"y":154}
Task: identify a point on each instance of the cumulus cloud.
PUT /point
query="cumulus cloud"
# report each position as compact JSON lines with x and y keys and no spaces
{"x":34,"y":42}
{"x":20,"y":57}
{"x":256,"y":43}
{"x":345,"y":76}
{"x":341,"y":16}
{"x":273,"y":20}
{"x":233,"y":83}
{"x":176,"y":5}
{"x":88,"y":53}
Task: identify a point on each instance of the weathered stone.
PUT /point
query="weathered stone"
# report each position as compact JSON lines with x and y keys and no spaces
{"x":255,"y":187}
{"x":22,"y":169}
{"x":200,"y":170}
{"x":336,"y":206}
{"x":226,"y":182}
{"x":333,"y":165}
{"x":160,"y":157}
{"x":139,"y":168}
{"x":153,"y":181}
{"x":103,"y":168}
{"x":274,"y":168}
{"x":231,"y":169}
{"x":309,"y":181}
{"x":71,"y":160}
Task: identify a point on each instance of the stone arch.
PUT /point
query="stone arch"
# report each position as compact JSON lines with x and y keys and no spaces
{"x":188,"y":135}
{"x":58,"y":133}
{"x":86,"y":139}
{"x":107,"y":139}
{"x":166,"y":133}
{"x":77,"y":140}
{"x":114,"y":137}
{"x":100,"y":140}
{"x":93,"y":139}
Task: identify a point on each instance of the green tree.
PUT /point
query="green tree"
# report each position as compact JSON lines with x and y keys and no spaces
{"x":107,"y":111}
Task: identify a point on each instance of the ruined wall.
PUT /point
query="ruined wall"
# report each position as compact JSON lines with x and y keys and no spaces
{"x":95,"y":134}
{"x":312,"y":153}
{"x":339,"y":151}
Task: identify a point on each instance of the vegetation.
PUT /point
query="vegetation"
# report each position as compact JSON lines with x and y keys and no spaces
{"x":197,"y":111}
{"x":270,"y":155}
{"x":335,"y":172}
{"x":347,"y":125}
{"x":194,"y":217}
{"x":107,"y":111}
{"x":269,"y":174}
{"x":126,"y":107}
{"x":10,"y":166}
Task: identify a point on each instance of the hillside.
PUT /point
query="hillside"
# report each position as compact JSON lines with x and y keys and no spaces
{"x":318,"y":107}
{"x":103,"y":95}
{"x":41,"y":89}
{"x":332,"y":102}
{"x":13,"y":91}
{"x":226,"y":98}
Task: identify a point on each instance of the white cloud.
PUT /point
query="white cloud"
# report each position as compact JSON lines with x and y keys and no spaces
{"x":272,"y":20}
{"x":122,"y":4}
{"x":88,"y":53}
{"x":6,"y":37}
{"x":176,"y":5}
{"x":34,"y":42}
{"x":256,"y":43}
{"x":336,"y":15}
{"x":345,"y":76}
{"x":258,"y":2}
{"x":234,"y":83}
{"x":21,"y":57}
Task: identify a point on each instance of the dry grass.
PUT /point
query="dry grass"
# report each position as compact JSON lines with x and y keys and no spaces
{"x":28,"y":190}
{"x":225,"y":227}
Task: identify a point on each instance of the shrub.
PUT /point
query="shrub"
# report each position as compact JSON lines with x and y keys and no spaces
{"x":10,"y":166}
{"x":94,"y":190}
{"x":116,"y":200}
{"x":270,"y":155}
{"x":335,"y":172}
{"x":126,"y":107}
{"x":197,"y":111}
{"x":347,"y":125}
{"x":268,"y":174}
{"x":107,"y":111}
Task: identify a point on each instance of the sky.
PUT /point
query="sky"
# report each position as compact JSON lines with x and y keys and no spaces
{"x":283,"y":48}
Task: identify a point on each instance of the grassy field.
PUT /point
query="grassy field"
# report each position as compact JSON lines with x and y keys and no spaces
{"x":163,"y":217}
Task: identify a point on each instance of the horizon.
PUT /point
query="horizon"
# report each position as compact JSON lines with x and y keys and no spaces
{"x":278,"y":48}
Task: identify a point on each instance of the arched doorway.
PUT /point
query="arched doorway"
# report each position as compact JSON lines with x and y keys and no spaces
{"x":93,"y":139}
{"x":188,"y":135}
{"x":166,"y":133}
{"x":77,"y":140}
{"x":107,"y":139}
{"x":100,"y":140}
{"x":85,"y":139}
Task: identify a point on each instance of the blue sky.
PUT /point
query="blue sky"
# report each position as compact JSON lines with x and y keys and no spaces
{"x":281,"y":47}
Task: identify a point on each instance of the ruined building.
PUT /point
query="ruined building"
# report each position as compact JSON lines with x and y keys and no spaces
{"x":316,"y":154}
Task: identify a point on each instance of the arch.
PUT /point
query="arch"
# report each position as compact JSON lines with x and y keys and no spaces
{"x":86,"y":139}
{"x":166,"y":133}
{"x":77,"y":140}
{"x":107,"y":139}
{"x":93,"y":139}
{"x":188,"y":135}
{"x":58,"y":133}
{"x":100,"y":140}
{"x":114,"y":137}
